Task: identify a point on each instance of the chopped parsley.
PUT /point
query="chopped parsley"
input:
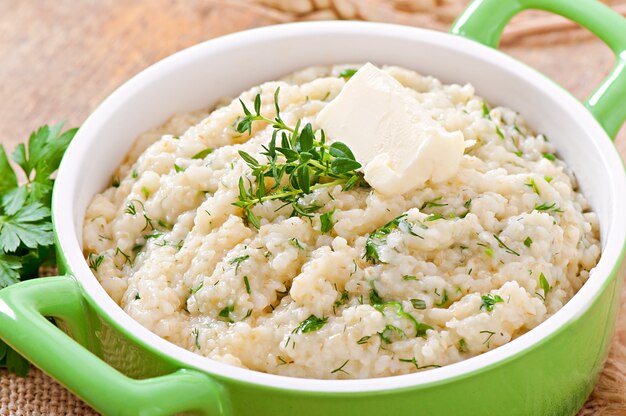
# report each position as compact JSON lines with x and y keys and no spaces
{"x":433,"y":203}
{"x":385,"y":335}
{"x":363,"y":340}
{"x":203,"y":153}
{"x":528,"y":242}
{"x":238,"y":260}
{"x":377,"y":237}
{"x":486,"y":110}
{"x":433,"y":217}
{"x":310,"y":324}
{"x":499,"y":132}
{"x":548,"y":207}
{"x":545,"y":286}
{"x":326,"y":221}
{"x":377,"y":302}
{"x":505,"y":247}
{"x":194,"y":290}
{"x":532,"y":184}
{"x":296,"y":243}
{"x":463,"y":345}
{"x":444,"y":298}
{"x":247,"y":284}
{"x":348,"y":73}
{"x":226,"y":311}
{"x":489,"y":301}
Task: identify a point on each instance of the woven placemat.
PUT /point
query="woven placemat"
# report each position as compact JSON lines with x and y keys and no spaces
{"x":94,"y":31}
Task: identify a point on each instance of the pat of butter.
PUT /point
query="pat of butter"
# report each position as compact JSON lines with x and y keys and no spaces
{"x":391,"y":133}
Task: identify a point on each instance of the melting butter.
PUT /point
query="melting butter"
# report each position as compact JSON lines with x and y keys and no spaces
{"x":390,"y":133}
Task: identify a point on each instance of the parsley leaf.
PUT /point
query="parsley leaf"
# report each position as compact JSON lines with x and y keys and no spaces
{"x":10,"y":267}
{"x":26,"y":238}
{"x":348,"y":73}
{"x":310,"y":324}
{"x":489,"y":301}
{"x":30,"y":226}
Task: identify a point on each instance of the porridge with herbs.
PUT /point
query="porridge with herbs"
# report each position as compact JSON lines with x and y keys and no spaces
{"x":343,"y":224}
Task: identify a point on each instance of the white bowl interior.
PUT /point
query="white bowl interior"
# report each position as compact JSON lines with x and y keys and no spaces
{"x":199,"y":76}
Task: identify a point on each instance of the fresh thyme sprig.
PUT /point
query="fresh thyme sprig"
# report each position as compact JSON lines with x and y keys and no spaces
{"x":299,"y":165}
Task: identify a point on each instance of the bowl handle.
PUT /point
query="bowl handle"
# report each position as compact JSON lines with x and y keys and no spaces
{"x":24,"y":326}
{"x":484,"y":21}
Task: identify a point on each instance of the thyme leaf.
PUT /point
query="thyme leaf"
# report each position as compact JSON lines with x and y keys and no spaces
{"x":298,"y":162}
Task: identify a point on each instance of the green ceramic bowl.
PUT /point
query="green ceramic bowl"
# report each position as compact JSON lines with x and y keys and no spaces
{"x":119,"y":367}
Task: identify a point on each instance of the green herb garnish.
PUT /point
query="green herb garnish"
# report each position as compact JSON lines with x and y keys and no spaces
{"x":444,"y":298}
{"x":226,"y":311}
{"x":340,"y":369}
{"x":414,"y":362}
{"x":194,"y":290}
{"x":95,"y":261}
{"x":238,"y":260}
{"x":418,"y":303}
{"x":486,"y":110}
{"x":203,"y":153}
{"x":462,"y":345}
{"x":326,"y":221}
{"x":545,"y":286}
{"x":310,"y":324}
{"x":528,"y":242}
{"x":296,"y":243}
{"x":385,"y":335}
{"x":489,"y":301}
{"x":488,"y":249}
{"x":433,"y":217}
{"x":433,"y":203}
{"x":363,"y":340}
{"x":499,"y":133}
{"x":247,"y":284}
{"x":376,"y":238}
{"x":548,"y":207}
{"x":491,"y":334}
{"x":26,"y":238}
{"x":549,"y":156}
{"x":505,"y":247}
{"x":532,"y":184}
{"x":297,"y":165}
{"x":348,"y":73}
{"x":377,"y":302}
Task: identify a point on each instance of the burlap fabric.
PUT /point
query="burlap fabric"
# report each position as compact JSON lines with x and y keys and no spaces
{"x":543,"y":41}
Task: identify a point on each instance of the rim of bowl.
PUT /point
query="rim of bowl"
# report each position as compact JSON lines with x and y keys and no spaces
{"x":70,"y":247}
